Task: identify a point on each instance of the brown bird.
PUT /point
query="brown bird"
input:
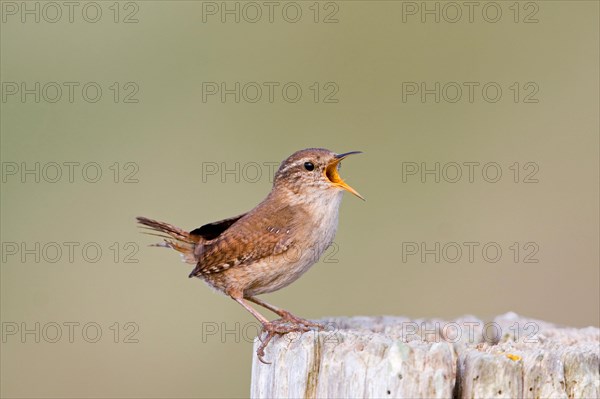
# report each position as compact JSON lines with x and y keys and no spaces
{"x":272,"y":245}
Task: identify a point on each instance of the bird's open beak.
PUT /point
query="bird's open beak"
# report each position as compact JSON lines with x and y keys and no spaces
{"x":331,"y":172}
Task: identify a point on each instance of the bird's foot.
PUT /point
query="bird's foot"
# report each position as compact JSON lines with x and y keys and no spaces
{"x":278,"y":327}
{"x":285,"y":315}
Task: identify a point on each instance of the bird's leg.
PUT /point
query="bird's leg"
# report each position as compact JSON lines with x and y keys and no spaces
{"x":284,"y":314}
{"x":263,"y":320}
{"x":271,"y":327}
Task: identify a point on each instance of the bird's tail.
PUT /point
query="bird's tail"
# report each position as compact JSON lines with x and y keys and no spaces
{"x":174,"y":237}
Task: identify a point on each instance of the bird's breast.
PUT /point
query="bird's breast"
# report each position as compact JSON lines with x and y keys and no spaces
{"x":320,"y":222}
{"x":311,"y":239}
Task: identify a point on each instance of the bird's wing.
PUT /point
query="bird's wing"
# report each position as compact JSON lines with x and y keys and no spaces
{"x":211,"y":231}
{"x":255,"y":237}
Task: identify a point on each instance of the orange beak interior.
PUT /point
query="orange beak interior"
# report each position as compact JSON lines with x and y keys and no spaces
{"x":331,"y":172}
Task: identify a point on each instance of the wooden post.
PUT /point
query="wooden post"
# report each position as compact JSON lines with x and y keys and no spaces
{"x":394,"y":357}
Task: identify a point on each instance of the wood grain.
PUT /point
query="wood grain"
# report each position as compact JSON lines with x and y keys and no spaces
{"x":394,"y":357}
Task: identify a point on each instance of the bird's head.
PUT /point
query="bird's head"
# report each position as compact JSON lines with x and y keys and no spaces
{"x":313,"y":172}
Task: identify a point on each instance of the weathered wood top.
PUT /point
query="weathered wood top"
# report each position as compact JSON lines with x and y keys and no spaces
{"x":394,"y":357}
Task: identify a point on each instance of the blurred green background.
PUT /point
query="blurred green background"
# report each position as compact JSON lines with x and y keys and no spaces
{"x":172,"y":142}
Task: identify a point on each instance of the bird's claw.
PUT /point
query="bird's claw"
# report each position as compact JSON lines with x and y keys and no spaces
{"x":261,"y":349}
{"x":283,"y":326}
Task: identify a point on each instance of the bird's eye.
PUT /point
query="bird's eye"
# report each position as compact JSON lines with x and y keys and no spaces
{"x":309,"y":166}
